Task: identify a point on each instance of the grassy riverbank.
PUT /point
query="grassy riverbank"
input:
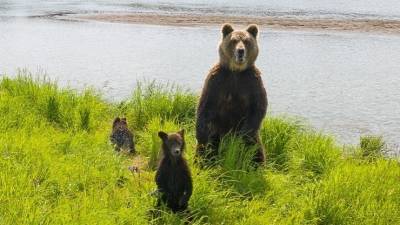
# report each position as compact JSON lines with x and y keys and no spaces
{"x":57,"y":166}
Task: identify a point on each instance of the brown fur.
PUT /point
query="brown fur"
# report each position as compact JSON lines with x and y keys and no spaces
{"x":121,"y":136}
{"x":173,"y":178}
{"x":233,"y":97}
{"x":232,"y":41}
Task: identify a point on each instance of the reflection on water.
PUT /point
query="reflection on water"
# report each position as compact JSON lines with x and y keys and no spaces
{"x":346,"y":84}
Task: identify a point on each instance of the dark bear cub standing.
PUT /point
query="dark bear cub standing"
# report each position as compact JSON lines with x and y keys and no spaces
{"x":121,"y":136}
{"x":233,"y":99}
{"x":173,"y":178}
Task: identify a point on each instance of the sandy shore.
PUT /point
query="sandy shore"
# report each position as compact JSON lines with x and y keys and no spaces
{"x":364,"y":25}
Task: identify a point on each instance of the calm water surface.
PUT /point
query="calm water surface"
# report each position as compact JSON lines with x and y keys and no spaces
{"x":389,"y":9}
{"x":346,"y":84}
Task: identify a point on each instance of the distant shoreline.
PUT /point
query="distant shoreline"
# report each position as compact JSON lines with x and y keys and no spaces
{"x":357,"y":25}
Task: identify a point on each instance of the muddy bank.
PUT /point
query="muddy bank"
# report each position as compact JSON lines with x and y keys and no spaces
{"x":359,"y":25}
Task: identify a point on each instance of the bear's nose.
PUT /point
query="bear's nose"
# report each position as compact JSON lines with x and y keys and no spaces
{"x":240,"y":52}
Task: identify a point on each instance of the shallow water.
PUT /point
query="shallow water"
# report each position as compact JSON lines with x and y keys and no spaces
{"x":386,"y":9}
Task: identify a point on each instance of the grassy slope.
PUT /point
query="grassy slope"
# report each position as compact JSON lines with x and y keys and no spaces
{"x":57,"y":166}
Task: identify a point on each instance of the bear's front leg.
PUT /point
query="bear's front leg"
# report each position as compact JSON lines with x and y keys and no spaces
{"x":203,"y":131}
{"x":202,"y":134}
{"x":206,"y":113}
{"x":206,"y":154}
{"x":255,"y":113}
{"x":252,"y":123}
{"x":187,"y":193}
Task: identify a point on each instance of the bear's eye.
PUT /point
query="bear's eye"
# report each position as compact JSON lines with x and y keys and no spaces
{"x":247,"y":42}
{"x":234,"y":40}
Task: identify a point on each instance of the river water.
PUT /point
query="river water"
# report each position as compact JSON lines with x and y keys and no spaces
{"x":346,"y":84}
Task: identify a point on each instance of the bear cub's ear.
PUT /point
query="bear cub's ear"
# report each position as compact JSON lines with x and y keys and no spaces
{"x":163,"y":135}
{"x":123,"y":120}
{"x":226,"y":29}
{"x":253,"y":30}
{"x":116,"y":120}
{"x":182,"y":133}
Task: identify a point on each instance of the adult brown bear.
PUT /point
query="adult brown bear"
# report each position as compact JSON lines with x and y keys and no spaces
{"x":233,"y":97}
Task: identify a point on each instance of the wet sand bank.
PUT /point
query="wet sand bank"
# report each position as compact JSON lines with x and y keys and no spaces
{"x":358,"y":25}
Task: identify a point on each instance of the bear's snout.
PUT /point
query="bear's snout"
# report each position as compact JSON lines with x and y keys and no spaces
{"x":240,"y":53}
{"x":176,"y":151}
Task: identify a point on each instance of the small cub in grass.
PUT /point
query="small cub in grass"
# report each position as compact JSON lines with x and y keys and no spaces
{"x":173,"y":178}
{"x":121,"y":136}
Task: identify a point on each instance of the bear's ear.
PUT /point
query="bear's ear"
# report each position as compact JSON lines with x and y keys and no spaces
{"x":116,"y":120}
{"x":182,"y":133}
{"x":253,"y":30}
{"x":123,"y":121}
{"x":163,"y":136}
{"x":226,"y":29}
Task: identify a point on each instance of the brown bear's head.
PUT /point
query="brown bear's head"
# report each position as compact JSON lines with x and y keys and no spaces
{"x":120,"y":124}
{"x":173,"y":144}
{"x":238,"y":48}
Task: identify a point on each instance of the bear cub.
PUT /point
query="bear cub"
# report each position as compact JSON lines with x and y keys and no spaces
{"x":121,"y":137}
{"x":173,"y":178}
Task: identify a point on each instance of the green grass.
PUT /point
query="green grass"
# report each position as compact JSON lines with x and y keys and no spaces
{"x":372,"y":146}
{"x":58,"y":167}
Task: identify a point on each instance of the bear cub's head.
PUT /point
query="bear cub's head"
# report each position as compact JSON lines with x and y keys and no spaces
{"x":120,"y":124}
{"x":173,"y":144}
{"x":238,"y":49}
